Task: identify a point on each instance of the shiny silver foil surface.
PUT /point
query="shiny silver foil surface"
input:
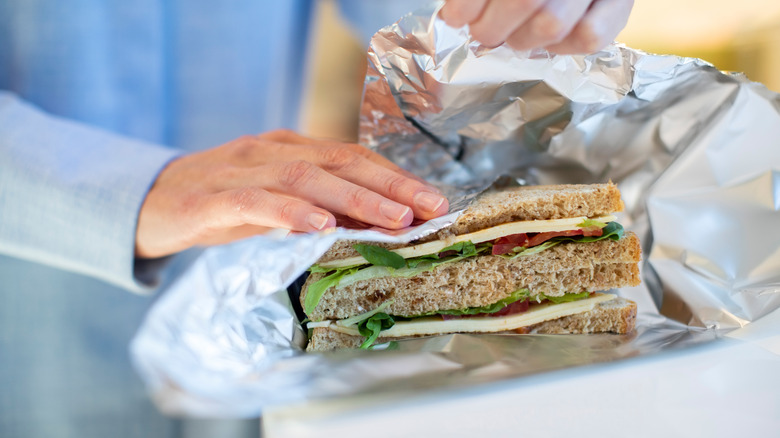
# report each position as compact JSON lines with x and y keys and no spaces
{"x":695,"y":152}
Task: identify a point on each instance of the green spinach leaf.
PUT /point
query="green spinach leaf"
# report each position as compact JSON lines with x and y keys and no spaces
{"x":371,"y":327}
{"x":378,"y":256}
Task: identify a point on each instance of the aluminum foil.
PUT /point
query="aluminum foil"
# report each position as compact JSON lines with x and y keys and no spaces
{"x":694,"y":151}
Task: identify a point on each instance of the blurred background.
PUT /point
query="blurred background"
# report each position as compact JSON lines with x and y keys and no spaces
{"x":739,"y":36}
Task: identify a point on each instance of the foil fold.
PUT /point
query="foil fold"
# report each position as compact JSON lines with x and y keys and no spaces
{"x":692,"y":149}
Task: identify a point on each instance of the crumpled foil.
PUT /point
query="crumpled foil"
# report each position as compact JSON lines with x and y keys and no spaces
{"x":694,"y":151}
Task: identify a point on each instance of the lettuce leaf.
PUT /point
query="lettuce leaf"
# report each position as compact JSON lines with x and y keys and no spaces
{"x":378,"y":256}
{"x":588,"y":223}
{"x":567,"y":297}
{"x":415,"y":265}
{"x":318,"y":288}
{"x":517,"y":295}
{"x":613,"y":231}
{"x":462,"y":250}
{"x":372,"y":326}
{"x":357,"y":319}
{"x":523,"y":251}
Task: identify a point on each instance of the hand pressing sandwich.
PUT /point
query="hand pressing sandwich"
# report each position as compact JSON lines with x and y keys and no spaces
{"x":276,"y":180}
{"x":525,"y":259}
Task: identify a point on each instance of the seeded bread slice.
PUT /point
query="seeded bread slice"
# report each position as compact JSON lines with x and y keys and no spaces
{"x":483,"y":280}
{"x":514,"y":204}
{"x":614,"y":316}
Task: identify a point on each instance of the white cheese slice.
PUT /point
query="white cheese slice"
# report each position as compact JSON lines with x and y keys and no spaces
{"x":486,"y":235}
{"x":432,"y":325}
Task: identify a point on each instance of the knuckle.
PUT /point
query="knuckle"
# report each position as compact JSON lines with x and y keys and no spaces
{"x":245,"y":146}
{"x":245,"y":199}
{"x":296,"y":173}
{"x":246,"y":138}
{"x":338,"y":158}
{"x":190,"y":204}
{"x":357,"y":199}
{"x":247,"y":141}
{"x":280,"y":135}
{"x":285,"y":213}
{"x":285,"y":133}
{"x":396,"y":185}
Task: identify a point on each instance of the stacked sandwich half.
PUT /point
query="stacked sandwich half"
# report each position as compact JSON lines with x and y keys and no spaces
{"x":526,"y":259}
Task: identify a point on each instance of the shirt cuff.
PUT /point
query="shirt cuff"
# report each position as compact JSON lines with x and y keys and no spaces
{"x":70,"y":194}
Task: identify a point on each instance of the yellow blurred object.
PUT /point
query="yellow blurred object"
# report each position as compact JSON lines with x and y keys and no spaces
{"x":757,"y":53}
{"x":739,"y":36}
{"x":334,"y":85}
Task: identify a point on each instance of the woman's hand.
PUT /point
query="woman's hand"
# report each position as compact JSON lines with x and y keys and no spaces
{"x":560,"y":26}
{"x":276,"y":180}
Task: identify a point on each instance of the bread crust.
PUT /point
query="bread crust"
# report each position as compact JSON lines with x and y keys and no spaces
{"x":483,"y":280}
{"x":614,"y":316}
{"x":513,"y":204}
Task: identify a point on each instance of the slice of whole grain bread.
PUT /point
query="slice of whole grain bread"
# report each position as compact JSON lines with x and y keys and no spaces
{"x":483,"y":280}
{"x":614,"y":316}
{"x":514,"y":204}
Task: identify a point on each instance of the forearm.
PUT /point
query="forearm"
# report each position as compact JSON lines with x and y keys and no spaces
{"x":70,"y":194}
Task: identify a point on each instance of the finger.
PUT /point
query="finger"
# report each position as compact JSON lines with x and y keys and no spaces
{"x":306,"y":181}
{"x":326,"y":154}
{"x":256,"y":206}
{"x":349,"y":162}
{"x":311,"y":183}
{"x":458,"y":13}
{"x":549,"y":25}
{"x":294,"y":138}
{"x":386,"y":163}
{"x":501,"y":18}
{"x":283,"y":139}
{"x":343,"y":196}
{"x":599,"y":27}
{"x":425,"y":203}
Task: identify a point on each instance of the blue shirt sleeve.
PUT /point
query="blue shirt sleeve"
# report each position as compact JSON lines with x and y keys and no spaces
{"x":366,"y":17}
{"x":70,"y":194}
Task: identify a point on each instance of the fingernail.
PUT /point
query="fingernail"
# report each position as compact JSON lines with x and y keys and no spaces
{"x":317,"y":220}
{"x":428,"y":201}
{"x":394,"y":212}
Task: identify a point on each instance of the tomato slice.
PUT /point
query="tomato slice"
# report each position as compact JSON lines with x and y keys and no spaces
{"x":540,"y":238}
{"x":544,"y":237}
{"x":514,"y":308}
{"x":507,"y":244}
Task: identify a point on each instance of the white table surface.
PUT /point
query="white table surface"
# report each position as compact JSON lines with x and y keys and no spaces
{"x":726,"y":388}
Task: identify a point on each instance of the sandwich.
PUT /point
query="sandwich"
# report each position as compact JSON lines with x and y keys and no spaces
{"x":527,"y":259}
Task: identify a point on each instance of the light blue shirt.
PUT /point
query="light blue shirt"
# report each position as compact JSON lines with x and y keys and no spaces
{"x":188,"y":74}
{"x":95,"y":98}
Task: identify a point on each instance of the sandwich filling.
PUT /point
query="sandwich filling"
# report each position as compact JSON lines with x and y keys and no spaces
{"x":520,"y":307}
{"x":374,"y":324}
